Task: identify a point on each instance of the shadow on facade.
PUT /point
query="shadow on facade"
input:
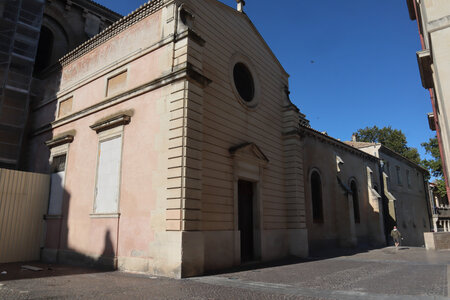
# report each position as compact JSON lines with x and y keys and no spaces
{"x":58,"y":250}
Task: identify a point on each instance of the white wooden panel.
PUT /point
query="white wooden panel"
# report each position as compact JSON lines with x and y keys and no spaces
{"x":108,"y":176}
{"x":56,"y":193}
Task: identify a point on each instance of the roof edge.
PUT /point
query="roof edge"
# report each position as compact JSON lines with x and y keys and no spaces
{"x":140,"y":13}
{"x":339,"y":143}
{"x":94,"y":6}
{"x":247,"y":18}
{"x":390,"y":151}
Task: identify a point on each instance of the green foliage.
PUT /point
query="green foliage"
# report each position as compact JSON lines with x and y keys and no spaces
{"x":440,"y":188}
{"x":394,"y":139}
{"x":435,"y":164}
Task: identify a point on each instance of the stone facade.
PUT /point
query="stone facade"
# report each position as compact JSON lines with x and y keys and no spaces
{"x":350,"y":181}
{"x":174,"y":149}
{"x":405,"y":189}
{"x":189,"y":141}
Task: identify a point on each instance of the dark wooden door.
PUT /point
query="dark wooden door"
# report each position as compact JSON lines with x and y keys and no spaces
{"x":245,"y":208}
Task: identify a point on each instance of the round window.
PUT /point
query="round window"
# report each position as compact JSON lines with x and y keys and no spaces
{"x":243,"y":80}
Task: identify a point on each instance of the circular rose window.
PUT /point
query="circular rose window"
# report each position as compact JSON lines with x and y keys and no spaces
{"x":243,"y":80}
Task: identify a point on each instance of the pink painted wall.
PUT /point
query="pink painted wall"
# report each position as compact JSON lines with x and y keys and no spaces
{"x":85,"y":79}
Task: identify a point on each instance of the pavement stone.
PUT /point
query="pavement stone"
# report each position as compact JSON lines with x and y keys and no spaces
{"x":389,"y":273}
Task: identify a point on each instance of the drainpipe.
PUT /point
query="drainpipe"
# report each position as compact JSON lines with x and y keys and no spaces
{"x":175,"y":33}
{"x":385,"y":204}
{"x":427,"y":199}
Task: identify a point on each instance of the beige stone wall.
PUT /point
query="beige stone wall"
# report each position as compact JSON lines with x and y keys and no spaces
{"x":227,"y":122}
{"x":339,"y":227}
{"x":436,"y":9}
{"x":435,"y":22}
{"x":178,"y":198}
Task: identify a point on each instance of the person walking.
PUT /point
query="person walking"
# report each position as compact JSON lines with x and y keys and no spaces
{"x":396,"y":236}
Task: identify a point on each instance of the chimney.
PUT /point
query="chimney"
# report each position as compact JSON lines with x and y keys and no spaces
{"x":240,"y":5}
{"x":354,"y":138}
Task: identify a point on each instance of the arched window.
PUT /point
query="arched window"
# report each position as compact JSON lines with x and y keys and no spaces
{"x":44,"y":51}
{"x":316,"y":196}
{"x":354,"y":189}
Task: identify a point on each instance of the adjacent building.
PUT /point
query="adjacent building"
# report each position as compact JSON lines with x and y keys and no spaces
{"x":433,"y":20}
{"x":344,"y":205}
{"x":34,"y":34}
{"x":404,"y":186}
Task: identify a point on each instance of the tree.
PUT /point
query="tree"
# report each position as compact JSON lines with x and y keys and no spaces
{"x":435,"y":165}
{"x":394,"y":139}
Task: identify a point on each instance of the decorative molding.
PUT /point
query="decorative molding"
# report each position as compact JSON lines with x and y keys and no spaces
{"x":65,"y":139}
{"x":425,"y":60}
{"x":192,"y":35}
{"x":249,"y":151}
{"x":184,"y":73}
{"x":122,"y":119}
{"x":116,"y":28}
{"x":431,"y":121}
{"x":196,"y":76}
{"x":105,"y":216}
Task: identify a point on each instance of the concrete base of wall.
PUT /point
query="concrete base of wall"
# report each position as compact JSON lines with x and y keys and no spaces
{"x":219,"y":250}
{"x":186,"y":254}
{"x":437,"y":240}
{"x":298,"y":242}
{"x":222,"y":248}
{"x":78,"y":259}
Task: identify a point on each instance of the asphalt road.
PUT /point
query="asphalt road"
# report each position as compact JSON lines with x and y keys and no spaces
{"x":389,"y":273}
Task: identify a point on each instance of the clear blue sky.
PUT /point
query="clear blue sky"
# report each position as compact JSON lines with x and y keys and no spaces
{"x":364,"y":69}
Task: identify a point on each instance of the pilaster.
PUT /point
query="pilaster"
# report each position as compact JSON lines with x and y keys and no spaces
{"x":294,"y":182}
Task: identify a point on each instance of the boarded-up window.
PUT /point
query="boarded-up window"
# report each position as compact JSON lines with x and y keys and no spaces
{"x":108,"y":176}
{"x":316,"y":197}
{"x":356,"y":214}
{"x":65,"y":107}
{"x":116,"y":84}
{"x":399,"y":176}
{"x":57,"y":185}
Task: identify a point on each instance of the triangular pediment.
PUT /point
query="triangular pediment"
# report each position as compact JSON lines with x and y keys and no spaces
{"x":249,"y":151}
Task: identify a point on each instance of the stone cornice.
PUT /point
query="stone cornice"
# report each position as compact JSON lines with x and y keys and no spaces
{"x":411,"y":10}
{"x":122,"y":119}
{"x":65,"y":139}
{"x":192,"y":35}
{"x":119,"y":26}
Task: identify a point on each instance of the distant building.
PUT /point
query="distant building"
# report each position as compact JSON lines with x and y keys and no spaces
{"x":433,"y":19}
{"x":440,"y":209}
{"x":344,"y":207}
{"x":404,"y":187}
